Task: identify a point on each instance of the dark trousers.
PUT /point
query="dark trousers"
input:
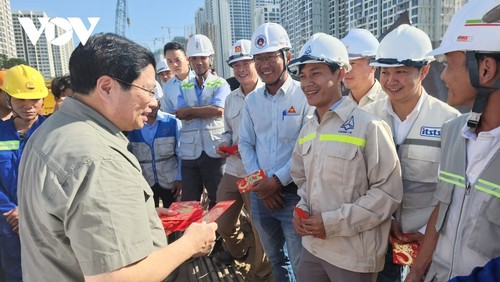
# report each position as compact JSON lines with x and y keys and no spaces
{"x":204,"y":172}
{"x":166,"y":196}
{"x":391,"y":272}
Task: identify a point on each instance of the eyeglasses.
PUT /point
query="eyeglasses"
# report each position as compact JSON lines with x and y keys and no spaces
{"x":266,"y":58}
{"x":150,"y":92}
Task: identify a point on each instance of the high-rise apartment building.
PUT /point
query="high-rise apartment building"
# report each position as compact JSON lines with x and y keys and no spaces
{"x":265,"y":11}
{"x":7,"y":42}
{"x":48,"y":59}
{"x":240,"y":17}
{"x":214,"y":21}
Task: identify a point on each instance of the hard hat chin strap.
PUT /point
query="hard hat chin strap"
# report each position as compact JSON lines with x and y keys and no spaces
{"x":482,"y":93}
{"x":277,"y":81}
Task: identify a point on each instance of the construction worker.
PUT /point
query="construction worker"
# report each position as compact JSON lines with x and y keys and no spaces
{"x":271,"y":120}
{"x":237,"y":243}
{"x":178,"y":63}
{"x":201,"y":108}
{"x":25,"y":88}
{"x":415,"y":118}
{"x":163,"y":71}
{"x":360,"y":80}
{"x":463,"y":231}
{"x":61,"y":88}
{"x":5,"y":111}
{"x":347,"y":171}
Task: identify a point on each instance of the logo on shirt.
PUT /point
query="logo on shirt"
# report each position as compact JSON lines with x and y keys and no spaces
{"x":430,"y":131}
{"x":291,"y":110}
{"x":348,"y":125}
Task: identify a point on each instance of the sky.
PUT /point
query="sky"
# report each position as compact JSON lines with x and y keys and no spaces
{"x":150,"y":20}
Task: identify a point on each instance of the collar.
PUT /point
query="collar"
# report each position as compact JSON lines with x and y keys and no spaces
{"x":470,"y":133}
{"x":287,"y":85}
{"x":413,"y":113}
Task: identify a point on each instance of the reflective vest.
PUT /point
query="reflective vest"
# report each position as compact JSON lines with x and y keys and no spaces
{"x":200,"y":134}
{"x":158,"y":162}
{"x":469,"y":213}
{"x":419,"y":155}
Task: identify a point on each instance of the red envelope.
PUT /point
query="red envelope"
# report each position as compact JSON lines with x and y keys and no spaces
{"x":301,"y":213}
{"x":229,"y":150}
{"x":246,"y":184}
{"x":404,"y":253}
{"x":216,"y":211}
{"x":188,"y":212}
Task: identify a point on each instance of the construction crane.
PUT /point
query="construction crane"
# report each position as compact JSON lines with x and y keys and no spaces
{"x":121,"y":18}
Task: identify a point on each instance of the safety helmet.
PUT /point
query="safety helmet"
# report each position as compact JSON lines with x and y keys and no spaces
{"x":269,"y":37}
{"x":360,"y":43}
{"x":239,"y":51}
{"x":472,"y":29}
{"x":404,"y":46}
{"x":2,"y":75}
{"x":321,"y":48}
{"x":24,"y":82}
{"x":162,"y":66}
{"x":199,"y":45}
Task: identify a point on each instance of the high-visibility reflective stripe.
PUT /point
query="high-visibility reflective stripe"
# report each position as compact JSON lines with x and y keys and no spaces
{"x":343,"y":138}
{"x":187,"y":85}
{"x":307,"y":138}
{"x":488,"y":187}
{"x":214,"y":83}
{"x":451,"y":178}
{"x":9,"y":145}
{"x":428,"y":143}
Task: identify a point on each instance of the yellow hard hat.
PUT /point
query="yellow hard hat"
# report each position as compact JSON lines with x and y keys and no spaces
{"x":24,"y":82}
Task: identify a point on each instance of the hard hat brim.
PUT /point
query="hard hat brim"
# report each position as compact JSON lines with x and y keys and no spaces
{"x":240,"y":58}
{"x":29,"y":96}
{"x":376,"y":64}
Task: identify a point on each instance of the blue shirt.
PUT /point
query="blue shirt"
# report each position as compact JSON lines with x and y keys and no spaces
{"x":172,"y":90}
{"x":269,"y":128}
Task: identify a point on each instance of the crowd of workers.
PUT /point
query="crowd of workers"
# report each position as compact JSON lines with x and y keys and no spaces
{"x":345,"y":176}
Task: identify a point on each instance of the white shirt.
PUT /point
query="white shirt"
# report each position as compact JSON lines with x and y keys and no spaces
{"x":402,"y":128}
{"x":480,"y":150}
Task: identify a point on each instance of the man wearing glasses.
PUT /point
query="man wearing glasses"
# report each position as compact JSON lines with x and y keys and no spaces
{"x":271,"y":121}
{"x":86,"y":211}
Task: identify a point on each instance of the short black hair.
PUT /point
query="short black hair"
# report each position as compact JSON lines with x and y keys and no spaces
{"x":107,"y":54}
{"x":173,"y":46}
{"x":59,"y":84}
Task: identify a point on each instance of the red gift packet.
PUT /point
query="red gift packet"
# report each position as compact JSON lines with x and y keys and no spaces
{"x":404,"y":253}
{"x":189,"y":212}
{"x":246,"y":184}
{"x":229,"y":150}
{"x":301,"y":213}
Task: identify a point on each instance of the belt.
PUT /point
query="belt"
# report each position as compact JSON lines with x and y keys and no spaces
{"x":290,"y":188}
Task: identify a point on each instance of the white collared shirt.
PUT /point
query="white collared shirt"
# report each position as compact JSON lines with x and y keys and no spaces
{"x":480,"y":150}
{"x":402,"y":128}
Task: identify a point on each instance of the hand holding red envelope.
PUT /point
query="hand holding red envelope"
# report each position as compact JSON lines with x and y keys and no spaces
{"x":301,"y":213}
{"x":189,"y":212}
{"x":246,"y":184}
{"x":404,"y":253}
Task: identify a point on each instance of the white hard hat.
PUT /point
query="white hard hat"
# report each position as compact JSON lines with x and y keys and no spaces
{"x":321,"y":48}
{"x":199,"y":45}
{"x":469,"y":32}
{"x":404,"y":46}
{"x":360,"y":43}
{"x":162,"y":66}
{"x":158,"y":91}
{"x":269,"y":37}
{"x":239,"y":51}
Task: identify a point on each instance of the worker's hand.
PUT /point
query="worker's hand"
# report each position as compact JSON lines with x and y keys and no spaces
{"x":222,"y":154}
{"x":314,"y":226}
{"x":266,"y":187}
{"x":299,"y":225}
{"x":275,"y":201}
{"x":415,"y":275}
{"x":12,"y":217}
{"x":395,"y":231}
{"x":183,"y":113}
{"x":201,"y":237}
{"x":177,"y":189}
{"x":413,"y":237}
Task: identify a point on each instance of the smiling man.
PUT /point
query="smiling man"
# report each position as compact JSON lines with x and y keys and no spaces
{"x":416,"y":119}
{"x":86,"y":211}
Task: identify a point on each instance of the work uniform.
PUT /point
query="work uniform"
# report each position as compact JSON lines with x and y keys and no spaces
{"x":374,"y":94}
{"x":89,"y":210}
{"x":419,"y":153}
{"x":171,"y":92}
{"x":155,"y":147}
{"x":347,"y":170}
{"x":202,"y":167}
{"x":11,"y":149}
{"x":469,"y":205}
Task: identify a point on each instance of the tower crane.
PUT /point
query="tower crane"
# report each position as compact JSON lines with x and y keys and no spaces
{"x":121,"y":18}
